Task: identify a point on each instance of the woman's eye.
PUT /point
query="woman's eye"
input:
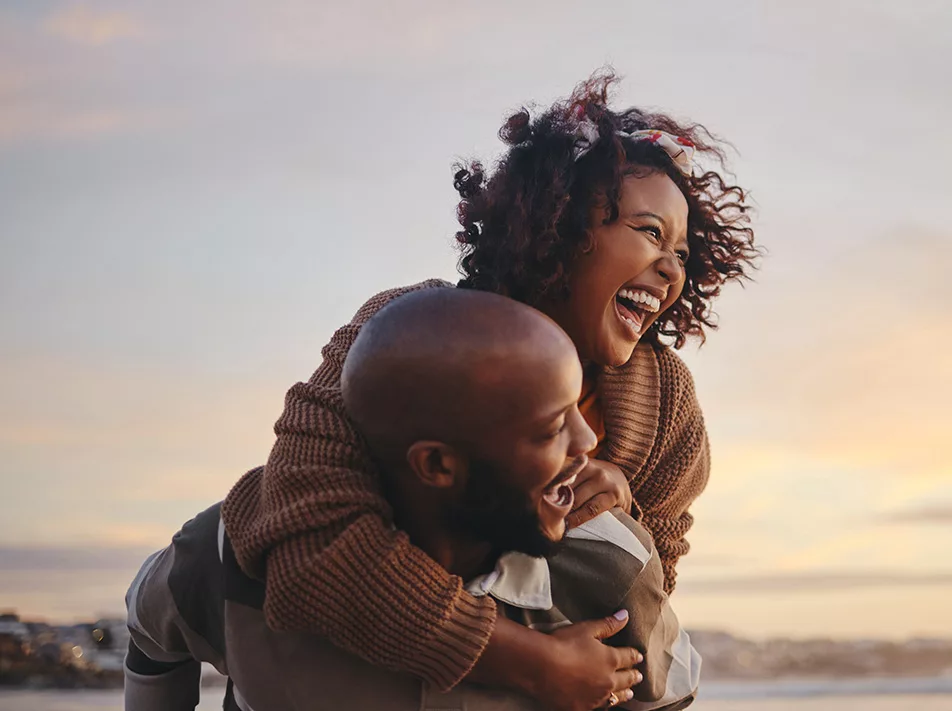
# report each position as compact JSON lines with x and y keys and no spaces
{"x":683,"y":255}
{"x":654,"y":232}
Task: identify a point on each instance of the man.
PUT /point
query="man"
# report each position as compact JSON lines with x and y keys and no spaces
{"x":468,"y":402}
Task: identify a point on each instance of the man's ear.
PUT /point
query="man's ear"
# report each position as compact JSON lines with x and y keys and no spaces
{"x":436,"y":464}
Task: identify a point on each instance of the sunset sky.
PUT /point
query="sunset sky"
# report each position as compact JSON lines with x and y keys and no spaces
{"x":194,"y":196}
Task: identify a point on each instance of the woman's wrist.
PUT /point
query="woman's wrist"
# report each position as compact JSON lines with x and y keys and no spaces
{"x":516,"y":658}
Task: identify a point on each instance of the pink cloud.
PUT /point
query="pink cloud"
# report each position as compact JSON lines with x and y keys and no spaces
{"x":81,"y":24}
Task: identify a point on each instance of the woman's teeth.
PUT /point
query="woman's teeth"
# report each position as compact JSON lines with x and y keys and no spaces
{"x":641,"y":299}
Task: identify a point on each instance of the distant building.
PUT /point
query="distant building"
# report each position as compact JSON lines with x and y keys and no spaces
{"x":110,"y":639}
{"x":11,"y":626}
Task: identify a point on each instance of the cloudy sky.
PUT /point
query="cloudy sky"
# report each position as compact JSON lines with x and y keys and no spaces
{"x":194,"y":196}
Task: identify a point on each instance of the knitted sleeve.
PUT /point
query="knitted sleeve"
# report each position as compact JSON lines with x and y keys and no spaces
{"x":680,"y":464}
{"x":314,"y":524}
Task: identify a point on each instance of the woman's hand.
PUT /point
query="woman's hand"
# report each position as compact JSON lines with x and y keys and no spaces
{"x":585,"y":672}
{"x":569,"y":670}
{"x":600,"y":486}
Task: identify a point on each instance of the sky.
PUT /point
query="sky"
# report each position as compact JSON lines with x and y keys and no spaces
{"x":194,"y":196}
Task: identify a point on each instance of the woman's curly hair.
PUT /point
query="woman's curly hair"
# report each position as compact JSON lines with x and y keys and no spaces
{"x":526,"y":225}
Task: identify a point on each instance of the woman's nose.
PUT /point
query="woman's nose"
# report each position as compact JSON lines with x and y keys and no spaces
{"x":668,"y":267}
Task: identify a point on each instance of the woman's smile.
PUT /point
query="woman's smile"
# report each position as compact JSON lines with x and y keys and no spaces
{"x":631,"y":274}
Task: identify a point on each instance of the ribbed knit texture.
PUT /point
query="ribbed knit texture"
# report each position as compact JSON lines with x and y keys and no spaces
{"x":315,"y":524}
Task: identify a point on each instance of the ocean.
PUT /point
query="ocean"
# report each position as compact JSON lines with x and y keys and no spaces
{"x":861,"y":695}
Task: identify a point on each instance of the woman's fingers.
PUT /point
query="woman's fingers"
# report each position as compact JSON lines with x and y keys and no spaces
{"x":623,"y":680}
{"x":627,"y":657}
{"x":590,"y":509}
{"x":588,"y":491}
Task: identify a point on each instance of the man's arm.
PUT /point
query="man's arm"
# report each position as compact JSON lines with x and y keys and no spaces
{"x":611,"y":562}
{"x":166,"y":677}
{"x":157,"y":686}
{"x":672,"y":666}
{"x":176,"y":592}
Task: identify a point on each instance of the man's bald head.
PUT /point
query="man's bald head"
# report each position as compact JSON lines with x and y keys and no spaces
{"x":450,"y":365}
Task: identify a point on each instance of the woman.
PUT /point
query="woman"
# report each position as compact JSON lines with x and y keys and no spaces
{"x":598,"y":219}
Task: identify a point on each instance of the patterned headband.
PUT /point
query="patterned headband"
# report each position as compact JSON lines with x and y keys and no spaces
{"x":680,"y":150}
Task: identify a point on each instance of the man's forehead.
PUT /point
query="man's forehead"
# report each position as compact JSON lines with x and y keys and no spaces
{"x":533,"y":394}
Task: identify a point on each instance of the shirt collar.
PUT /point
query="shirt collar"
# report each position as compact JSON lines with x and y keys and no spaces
{"x":518,"y":580}
{"x":523,"y":581}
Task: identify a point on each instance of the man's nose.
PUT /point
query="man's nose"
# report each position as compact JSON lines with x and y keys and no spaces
{"x":585,"y":439}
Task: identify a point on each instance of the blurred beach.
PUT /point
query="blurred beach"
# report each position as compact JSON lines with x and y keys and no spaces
{"x":865,"y":695}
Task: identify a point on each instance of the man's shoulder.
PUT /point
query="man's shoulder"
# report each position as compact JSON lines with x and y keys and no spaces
{"x":616,"y":528}
{"x":601,"y":562}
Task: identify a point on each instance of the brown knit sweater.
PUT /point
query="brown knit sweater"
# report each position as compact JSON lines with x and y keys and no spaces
{"x":314,"y":518}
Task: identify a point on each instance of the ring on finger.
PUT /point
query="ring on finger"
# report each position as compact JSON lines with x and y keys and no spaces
{"x":612,"y":700}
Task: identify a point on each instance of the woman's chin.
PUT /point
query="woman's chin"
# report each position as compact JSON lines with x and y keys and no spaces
{"x":616,"y":353}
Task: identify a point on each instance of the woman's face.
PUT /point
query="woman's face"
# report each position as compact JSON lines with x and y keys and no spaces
{"x":633,"y":272}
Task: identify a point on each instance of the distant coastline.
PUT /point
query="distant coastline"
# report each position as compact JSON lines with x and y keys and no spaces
{"x":728,"y":657}
{"x":90,"y":655}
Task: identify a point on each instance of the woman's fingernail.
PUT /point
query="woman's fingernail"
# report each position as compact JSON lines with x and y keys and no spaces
{"x":621,"y":615}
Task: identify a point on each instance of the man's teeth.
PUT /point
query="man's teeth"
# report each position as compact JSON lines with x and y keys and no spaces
{"x":559,"y":492}
{"x":649,"y":302}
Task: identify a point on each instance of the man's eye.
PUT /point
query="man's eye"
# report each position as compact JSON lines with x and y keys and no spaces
{"x":553,"y":435}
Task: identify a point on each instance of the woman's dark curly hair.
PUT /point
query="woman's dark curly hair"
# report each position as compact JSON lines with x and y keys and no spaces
{"x":525,"y":226}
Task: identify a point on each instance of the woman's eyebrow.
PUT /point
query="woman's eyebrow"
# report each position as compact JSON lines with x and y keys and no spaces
{"x":656,"y":216}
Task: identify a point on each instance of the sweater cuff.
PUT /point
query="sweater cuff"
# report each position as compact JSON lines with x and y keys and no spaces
{"x":452,"y":654}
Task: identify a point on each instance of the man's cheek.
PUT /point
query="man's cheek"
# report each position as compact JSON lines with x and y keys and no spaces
{"x":548,"y":516}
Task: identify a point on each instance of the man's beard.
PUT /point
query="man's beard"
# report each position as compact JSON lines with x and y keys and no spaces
{"x":493,"y":511}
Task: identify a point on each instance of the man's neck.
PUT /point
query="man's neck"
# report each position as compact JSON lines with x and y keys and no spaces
{"x":420,"y":517}
{"x":467,"y":560}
